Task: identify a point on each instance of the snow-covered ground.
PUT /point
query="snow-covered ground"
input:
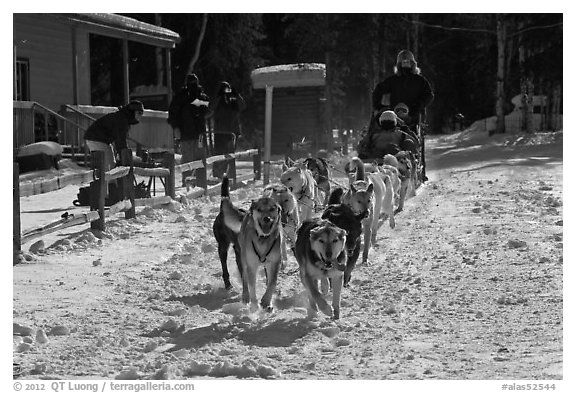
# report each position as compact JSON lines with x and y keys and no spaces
{"x":469,"y":286}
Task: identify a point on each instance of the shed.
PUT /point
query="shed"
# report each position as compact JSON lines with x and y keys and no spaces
{"x":298,"y":105}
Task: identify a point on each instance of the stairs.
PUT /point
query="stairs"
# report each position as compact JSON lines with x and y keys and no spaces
{"x":76,"y":155}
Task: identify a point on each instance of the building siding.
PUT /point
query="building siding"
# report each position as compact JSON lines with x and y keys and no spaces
{"x":297,"y":113}
{"x":47,"y":45}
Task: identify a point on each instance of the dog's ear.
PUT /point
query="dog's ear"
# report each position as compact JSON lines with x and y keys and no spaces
{"x":370,"y":188}
{"x":352,"y":188}
{"x":315,"y":233}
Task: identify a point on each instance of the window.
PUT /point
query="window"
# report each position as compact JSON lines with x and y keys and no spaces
{"x":22,"y":79}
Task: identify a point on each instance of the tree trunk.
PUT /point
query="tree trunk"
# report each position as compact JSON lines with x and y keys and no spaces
{"x":198,"y":44}
{"x":530,"y":104}
{"x":158,"y":53}
{"x":523,"y":86}
{"x":328,"y":92}
{"x":501,"y":37}
{"x":415,"y":34}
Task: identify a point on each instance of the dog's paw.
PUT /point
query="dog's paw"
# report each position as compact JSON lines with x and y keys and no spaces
{"x":398,"y":210}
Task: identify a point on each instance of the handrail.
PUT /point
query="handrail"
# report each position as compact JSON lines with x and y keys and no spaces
{"x":34,"y":103}
{"x":79,"y":112}
{"x":68,"y":106}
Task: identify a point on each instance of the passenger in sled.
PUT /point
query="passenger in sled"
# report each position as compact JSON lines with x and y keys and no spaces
{"x":386,"y":136}
{"x":406,"y":92}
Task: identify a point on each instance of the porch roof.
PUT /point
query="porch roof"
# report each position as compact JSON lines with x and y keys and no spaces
{"x":124,"y":27}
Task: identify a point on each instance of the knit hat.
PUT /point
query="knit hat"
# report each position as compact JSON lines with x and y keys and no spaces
{"x":405,"y":54}
{"x":401,"y":107}
{"x":225,"y":87}
{"x":387,"y":116}
{"x":135,"y":106}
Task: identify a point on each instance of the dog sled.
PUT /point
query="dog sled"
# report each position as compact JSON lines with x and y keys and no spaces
{"x":413,"y":141}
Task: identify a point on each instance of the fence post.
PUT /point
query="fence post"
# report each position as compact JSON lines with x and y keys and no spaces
{"x":257,"y":163}
{"x":16,"y":231}
{"x":231,"y":170}
{"x":344,"y":141}
{"x":98,"y":189}
{"x":170,"y":163}
{"x":127,"y":182}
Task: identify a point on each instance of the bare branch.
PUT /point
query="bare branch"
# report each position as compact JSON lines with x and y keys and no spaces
{"x":198,"y":44}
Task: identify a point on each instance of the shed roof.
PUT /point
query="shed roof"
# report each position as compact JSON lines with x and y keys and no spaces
{"x":289,"y":75}
{"x":124,"y":27}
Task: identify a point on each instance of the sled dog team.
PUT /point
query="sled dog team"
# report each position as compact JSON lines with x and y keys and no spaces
{"x":326,"y":247}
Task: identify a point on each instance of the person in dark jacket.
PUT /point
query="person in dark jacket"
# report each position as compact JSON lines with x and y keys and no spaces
{"x":407,"y":86}
{"x":387,"y":137}
{"x":187,"y":116}
{"x":225,"y":114}
{"x":112,"y":129}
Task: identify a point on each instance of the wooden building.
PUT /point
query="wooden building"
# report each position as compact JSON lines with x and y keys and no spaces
{"x":298,"y":106}
{"x":89,"y":63}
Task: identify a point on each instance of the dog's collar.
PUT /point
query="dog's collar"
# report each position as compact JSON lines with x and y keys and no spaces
{"x":263,"y":258}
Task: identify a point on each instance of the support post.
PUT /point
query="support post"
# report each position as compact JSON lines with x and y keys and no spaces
{"x":268,"y":133}
{"x":257,"y":164}
{"x":170,"y":163}
{"x":126,"y":70}
{"x":231,"y":170}
{"x":16,"y":228}
{"x":201,"y":173}
{"x":126,"y":184}
{"x":98,"y":189}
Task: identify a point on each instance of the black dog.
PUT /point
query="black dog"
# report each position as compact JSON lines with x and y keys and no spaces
{"x":342,"y":216}
{"x":225,"y":235}
{"x":321,"y":174}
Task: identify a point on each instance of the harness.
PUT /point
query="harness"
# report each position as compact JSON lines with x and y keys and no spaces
{"x":260,"y":257}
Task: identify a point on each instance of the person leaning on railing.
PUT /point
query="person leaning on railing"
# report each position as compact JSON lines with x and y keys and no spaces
{"x":112,"y":129}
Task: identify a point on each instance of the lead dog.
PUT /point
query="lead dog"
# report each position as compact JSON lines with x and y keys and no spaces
{"x":259,"y":237}
{"x":225,"y":235}
{"x":369,"y":194}
{"x":322,"y":256}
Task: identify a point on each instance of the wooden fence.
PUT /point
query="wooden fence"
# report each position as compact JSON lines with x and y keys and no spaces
{"x":125,"y":177}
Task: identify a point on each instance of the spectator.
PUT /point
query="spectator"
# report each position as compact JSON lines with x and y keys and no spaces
{"x":113,"y":129}
{"x":406,"y":86}
{"x":225,"y":113}
{"x":187,"y":116}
